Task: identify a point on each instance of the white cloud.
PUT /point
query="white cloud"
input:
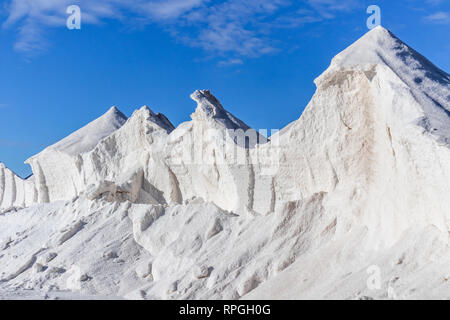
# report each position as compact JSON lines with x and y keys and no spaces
{"x":231,"y":62}
{"x":243,"y":28}
{"x":329,"y":8}
{"x":161,"y":10}
{"x":14,"y":144}
{"x":438,"y":17}
{"x":30,"y":18}
{"x":224,"y":28}
{"x":435,"y":2}
{"x":233,"y":26}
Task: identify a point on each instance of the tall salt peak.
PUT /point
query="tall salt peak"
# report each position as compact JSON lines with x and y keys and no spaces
{"x":380,"y":53}
{"x":86,"y":138}
{"x":375,"y":127}
{"x":380,"y":46}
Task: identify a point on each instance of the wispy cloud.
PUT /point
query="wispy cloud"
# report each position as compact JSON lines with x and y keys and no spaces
{"x":163,"y":10}
{"x":30,"y":18}
{"x":231,"y":62}
{"x":233,"y":29}
{"x":435,"y":2}
{"x":14,"y":144}
{"x":329,"y":8}
{"x":440,"y":17}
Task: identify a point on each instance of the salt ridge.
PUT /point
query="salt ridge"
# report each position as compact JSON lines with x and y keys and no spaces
{"x":202,"y":211}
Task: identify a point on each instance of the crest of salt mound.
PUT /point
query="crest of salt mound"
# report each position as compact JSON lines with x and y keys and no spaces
{"x":208,"y":107}
{"x":209,"y":155}
{"x":429,"y":85}
{"x":129,"y":164}
{"x":57,"y":168}
{"x":86,"y":138}
{"x":148,"y":161}
{"x":374,"y":139}
{"x":211,"y":112}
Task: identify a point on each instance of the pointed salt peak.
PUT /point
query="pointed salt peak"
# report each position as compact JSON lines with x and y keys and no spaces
{"x":113,"y":117}
{"x":147,"y":109}
{"x":209,"y":108}
{"x":376,"y":37}
{"x":113,"y":109}
{"x":114,"y":112}
{"x":380,"y":47}
{"x":144,"y":110}
{"x":371,"y":49}
{"x":87,"y":137}
{"x":157,"y":118}
{"x":207,"y":103}
{"x":379,"y":30}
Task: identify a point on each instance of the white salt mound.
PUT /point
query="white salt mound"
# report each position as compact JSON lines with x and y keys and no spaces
{"x":358,"y":187}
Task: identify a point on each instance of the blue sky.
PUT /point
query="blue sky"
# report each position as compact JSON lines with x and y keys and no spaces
{"x":258,"y":57}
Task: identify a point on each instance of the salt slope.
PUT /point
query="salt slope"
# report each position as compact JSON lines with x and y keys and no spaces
{"x":360,"y":182}
{"x":187,"y":251}
{"x":57,"y":168}
{"x":385,"y":173}
{"x":415,"y":267}
{"x":361,"y":140}
{"x":73,"y":249}
{"x":357,"y":182}
{"x":203,"y":252}
{"x":429,"y":85}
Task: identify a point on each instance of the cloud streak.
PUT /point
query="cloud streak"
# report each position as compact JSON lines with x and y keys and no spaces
{"x":233,"y":29}
{"x":440,"y":17}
